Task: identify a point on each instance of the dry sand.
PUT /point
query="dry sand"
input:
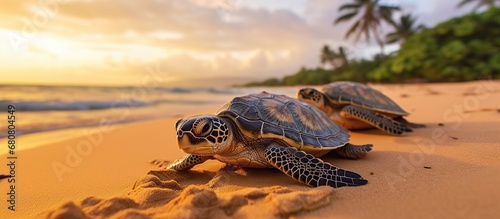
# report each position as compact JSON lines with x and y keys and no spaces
{"x":451,"y":169}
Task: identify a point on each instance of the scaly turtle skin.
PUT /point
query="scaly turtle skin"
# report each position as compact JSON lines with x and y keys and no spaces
{"x":270,"y":131}
{"x":357,"y":106}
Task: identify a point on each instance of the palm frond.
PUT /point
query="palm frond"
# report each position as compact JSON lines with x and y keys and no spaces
{"x":392,"y":37}
{"x":391,"y":8}
{"x":353,"y":28}
{"x":386,"y":12}
{"x":464,"y":2}
{"x":350,"y":6}
{"x":346,"y":17}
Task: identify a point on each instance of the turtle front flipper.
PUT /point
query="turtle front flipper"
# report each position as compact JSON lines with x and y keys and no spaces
{"x":354,"y":151}
{"x":378,"y":120}
{"x":187,"y":162}
{"x":409,"y":124}
{"x":308,"y":169}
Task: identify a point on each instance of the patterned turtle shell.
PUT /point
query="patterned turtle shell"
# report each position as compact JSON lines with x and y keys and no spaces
{"x":346,"y":92}
{"x":266,"y":115}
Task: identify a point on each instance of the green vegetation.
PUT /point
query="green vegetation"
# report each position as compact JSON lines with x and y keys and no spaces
{"x":353,"y":72}
{"x":460,"y":49}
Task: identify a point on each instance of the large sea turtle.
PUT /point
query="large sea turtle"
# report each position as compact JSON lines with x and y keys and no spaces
{"x":358,"y":106}
{"x":264,"y":131}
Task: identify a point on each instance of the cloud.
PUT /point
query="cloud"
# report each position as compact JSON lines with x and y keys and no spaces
{"x":200,"y":31}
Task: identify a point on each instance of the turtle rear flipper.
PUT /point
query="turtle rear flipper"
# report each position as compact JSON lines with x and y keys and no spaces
{"x":354,"y":151}
{"x":409,"y":124}
{"x":378,"y":120}
{"x":310,"y":170}
{"x":187,"y":162}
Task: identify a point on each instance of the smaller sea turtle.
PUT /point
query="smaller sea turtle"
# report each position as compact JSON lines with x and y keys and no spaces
{"x":358,"y":106}
{"x":270,"y":131}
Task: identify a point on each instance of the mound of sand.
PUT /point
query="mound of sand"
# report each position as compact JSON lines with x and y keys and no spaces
{"x":164,"y":194}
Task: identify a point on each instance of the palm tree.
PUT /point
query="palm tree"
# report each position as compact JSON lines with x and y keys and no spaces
{"x":335,"y":59}
{"x":404,"y":29}
{"x":480,"y":3}
{"x":370,"y":21}
{"x":328,"y":56}
{"x":342,"y":55}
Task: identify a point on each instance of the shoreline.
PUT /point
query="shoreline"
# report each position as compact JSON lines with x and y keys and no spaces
{"x":32,"y":140}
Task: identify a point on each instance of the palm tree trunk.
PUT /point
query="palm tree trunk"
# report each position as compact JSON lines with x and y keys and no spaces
{"x":382,"y":52}
{"x":381,"y":44}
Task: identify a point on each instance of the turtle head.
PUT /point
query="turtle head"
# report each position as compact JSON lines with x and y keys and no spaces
{"x":203,"y":135}
{"x":312,"y":97}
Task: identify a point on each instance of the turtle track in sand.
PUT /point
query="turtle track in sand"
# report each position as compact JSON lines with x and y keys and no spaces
{"x":171,"y":194}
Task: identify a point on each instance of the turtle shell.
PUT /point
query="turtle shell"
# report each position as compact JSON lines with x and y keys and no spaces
{"x":266,"y":115}
{"x":346,"y":92}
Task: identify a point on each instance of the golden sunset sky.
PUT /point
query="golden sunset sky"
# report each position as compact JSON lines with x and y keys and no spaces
{"x":113,"y":42}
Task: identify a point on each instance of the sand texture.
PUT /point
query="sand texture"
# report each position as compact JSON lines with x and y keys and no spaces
{"x":451,"y":169}
{"x":171,"y":194}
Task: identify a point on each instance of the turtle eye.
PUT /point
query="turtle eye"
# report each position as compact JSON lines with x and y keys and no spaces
{"x":306,"y":92}
{"x":207,"y":128}
{"x":203,"y":128}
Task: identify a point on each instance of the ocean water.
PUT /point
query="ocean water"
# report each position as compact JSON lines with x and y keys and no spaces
{"x":46,"y":108}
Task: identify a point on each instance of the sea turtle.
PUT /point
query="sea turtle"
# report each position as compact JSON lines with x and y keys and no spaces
{"x":265,"y":130}
{"x":357,"y":106}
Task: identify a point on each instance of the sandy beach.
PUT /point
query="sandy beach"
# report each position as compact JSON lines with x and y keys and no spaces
{"x":451,"y":169}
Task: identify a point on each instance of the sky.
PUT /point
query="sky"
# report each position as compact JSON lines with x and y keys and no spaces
{"x":114,"y":42}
